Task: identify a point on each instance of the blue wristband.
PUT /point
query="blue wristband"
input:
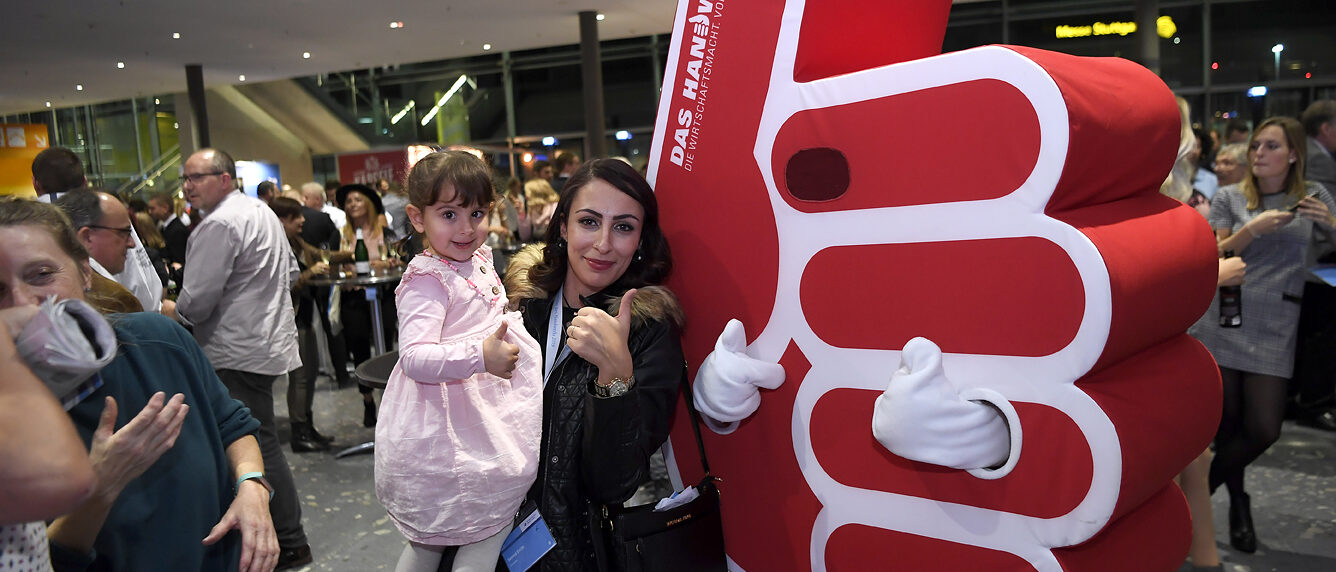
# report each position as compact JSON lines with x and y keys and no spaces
{"x":259,"y":478}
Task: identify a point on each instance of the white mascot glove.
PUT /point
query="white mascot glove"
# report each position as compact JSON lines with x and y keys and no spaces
{"x":726,"y":383}
{"x":922,"y":417}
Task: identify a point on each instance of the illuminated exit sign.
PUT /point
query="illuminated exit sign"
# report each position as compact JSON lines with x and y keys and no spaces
{"x":1164,"y":27}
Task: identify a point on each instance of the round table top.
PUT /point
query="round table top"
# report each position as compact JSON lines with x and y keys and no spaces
{"x":350,"y":279}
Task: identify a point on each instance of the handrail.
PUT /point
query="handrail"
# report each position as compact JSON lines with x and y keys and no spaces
{"x":166,"y":161}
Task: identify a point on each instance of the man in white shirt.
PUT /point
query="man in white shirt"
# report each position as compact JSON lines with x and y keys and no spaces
{"x":58,"y":170}
{"x":313,"y":195}
{"x":102,"y":225}
{"x":238,"y":274}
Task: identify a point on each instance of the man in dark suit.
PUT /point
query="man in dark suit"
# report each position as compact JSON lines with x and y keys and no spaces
{"x":1320,"y":122}
{"x":1315,"y":361}
{"x":174,"y":232}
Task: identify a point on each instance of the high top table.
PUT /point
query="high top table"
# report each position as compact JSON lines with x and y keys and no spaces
{"x":372,"y":282}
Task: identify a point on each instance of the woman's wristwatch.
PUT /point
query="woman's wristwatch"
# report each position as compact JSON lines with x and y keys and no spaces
{"x":617,"y":388}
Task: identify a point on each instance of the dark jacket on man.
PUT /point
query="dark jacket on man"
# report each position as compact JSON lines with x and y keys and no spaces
{"x":319,"y":230}
{"x":175,"y":234}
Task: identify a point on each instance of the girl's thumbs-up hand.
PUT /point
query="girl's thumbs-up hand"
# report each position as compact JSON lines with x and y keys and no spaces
{"x":498,"y":355}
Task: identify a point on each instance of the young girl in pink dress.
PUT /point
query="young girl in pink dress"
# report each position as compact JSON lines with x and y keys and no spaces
{"x":457,"y":441}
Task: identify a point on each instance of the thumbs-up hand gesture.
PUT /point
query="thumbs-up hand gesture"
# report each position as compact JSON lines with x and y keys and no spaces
{"x":728,"y":381}
{"x":498,"y":355}
{"x":921,"y":416}
{"x":601,"y":339}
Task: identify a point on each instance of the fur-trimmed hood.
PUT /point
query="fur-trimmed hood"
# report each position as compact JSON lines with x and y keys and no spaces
{"x":651,"y":302}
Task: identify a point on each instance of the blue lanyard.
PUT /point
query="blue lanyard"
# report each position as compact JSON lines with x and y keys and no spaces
{"x":550,"y":357}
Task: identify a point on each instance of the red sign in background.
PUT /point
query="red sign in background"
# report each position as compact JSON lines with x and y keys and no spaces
{"x":367,"y":168}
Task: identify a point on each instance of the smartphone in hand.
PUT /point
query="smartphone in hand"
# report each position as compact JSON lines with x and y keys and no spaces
{"x":1295,"y":206}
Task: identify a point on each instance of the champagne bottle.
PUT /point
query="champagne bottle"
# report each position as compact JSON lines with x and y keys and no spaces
{"x":360,"y":258}
{"x":1231,"y":303}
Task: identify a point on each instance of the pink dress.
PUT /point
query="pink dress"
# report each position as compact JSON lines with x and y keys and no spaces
{"x":456,"y":447}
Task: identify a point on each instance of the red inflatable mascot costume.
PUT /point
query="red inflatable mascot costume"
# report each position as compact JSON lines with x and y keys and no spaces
{"x":937,"y":305}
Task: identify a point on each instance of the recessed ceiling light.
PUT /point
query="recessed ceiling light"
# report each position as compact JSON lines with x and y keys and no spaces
{"x":48,"y":104}
{"x":242,"y":77}
{"x":599,"y":17}
{"x":78,"y":87}
{"x":486,"y":47}
{"x":306,"y":55}
{"x":120,"y":65}
{"x":396,"y":25}
{"x":176,"y":35}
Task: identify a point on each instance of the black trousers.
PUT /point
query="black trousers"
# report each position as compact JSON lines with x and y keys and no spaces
{"x":1314,"y":377}
{"x":256,"y":391}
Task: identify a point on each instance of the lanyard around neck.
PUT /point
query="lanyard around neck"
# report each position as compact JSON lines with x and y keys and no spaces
{"x":551,"y":357}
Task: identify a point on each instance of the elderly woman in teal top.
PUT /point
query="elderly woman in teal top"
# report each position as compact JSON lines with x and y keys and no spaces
{"x":179,"y":483}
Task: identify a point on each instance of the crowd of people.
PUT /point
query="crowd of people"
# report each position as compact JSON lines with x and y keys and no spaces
{"x":210,"y":308}
{"x":544,"y":373}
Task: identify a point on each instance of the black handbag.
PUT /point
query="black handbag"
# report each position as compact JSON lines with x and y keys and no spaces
{"x":686,"y":537}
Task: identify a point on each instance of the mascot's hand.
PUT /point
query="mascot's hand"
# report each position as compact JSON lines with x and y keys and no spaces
{"x":922,"y":417}
{"x":726,"y":388}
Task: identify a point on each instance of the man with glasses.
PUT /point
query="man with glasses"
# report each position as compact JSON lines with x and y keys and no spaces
{"x":102,"y":224}
{"x":58,"y":171}
{"x":238,"y":273}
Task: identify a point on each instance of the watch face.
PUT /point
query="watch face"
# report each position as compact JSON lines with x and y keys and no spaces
{"x":617,"y":388}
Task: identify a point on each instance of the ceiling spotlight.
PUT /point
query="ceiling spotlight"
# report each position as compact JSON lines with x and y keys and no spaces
{"x":176,"y":35}
{"x":48,"y":104}
{"x":78,"y":87}
{"x":242,"y":77}
{"x":306,"y":55}
{"x":120,"y":65}
{"x":486,"y":47}
{"x":396,"y":25}
{"x":599,"y":17}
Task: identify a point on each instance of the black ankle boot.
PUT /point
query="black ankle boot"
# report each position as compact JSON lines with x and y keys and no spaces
{"x":368,"y":414}
{"x":318,"y":437}
{"x":1241,"y":534}
{"x":303,"y":441}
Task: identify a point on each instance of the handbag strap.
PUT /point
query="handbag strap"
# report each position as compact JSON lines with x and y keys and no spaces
{"x":695,"y":421}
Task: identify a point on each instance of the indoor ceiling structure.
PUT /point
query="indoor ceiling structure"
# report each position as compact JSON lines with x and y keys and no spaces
{"x":76,"y":52}
{"x":62,"y":53}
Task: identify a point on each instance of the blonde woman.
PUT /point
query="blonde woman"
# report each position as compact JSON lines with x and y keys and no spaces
{"x":367,"y":214}
{"x":542,"y":201}
{"x":1269,"y":219}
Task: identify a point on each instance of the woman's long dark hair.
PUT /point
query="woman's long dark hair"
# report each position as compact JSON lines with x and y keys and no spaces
{"x":655,"y":259}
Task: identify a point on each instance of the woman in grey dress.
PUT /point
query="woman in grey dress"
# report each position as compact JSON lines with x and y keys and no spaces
{"x":1269,"y":219}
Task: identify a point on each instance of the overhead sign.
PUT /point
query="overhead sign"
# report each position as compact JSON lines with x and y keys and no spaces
{"x":1164,"y":27}
{"x":19,"y":145}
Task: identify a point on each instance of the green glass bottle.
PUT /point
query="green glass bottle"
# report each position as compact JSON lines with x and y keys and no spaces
{"x":360,"y":258}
